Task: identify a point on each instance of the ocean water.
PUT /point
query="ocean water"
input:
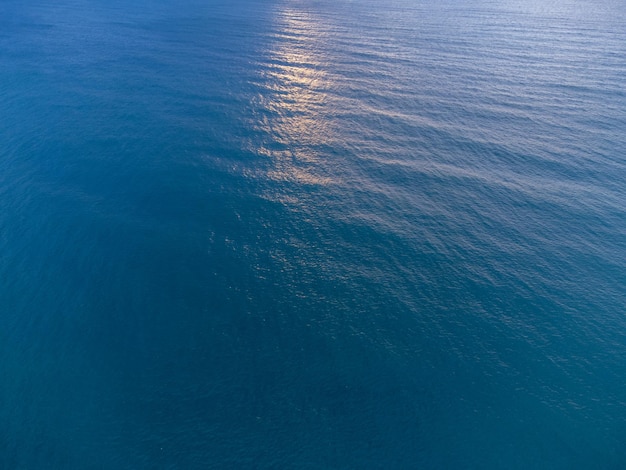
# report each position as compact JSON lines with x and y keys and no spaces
{"x":312,"y":234}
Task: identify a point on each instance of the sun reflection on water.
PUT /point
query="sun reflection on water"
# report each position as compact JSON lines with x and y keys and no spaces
{"x":293,"y":111}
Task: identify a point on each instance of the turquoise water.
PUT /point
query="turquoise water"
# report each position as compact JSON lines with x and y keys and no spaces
{"x":312,"y":234}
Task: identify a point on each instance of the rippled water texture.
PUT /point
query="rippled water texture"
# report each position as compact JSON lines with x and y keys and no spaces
{"x":312,"y":234}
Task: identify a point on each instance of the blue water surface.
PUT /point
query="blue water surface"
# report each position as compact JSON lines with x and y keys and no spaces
{"x":312,"y":234}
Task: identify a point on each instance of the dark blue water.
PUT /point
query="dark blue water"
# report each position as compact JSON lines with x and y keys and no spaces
{"x":312,"y":234}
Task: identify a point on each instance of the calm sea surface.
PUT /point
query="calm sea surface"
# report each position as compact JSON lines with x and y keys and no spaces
{"x":312,"y":234}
